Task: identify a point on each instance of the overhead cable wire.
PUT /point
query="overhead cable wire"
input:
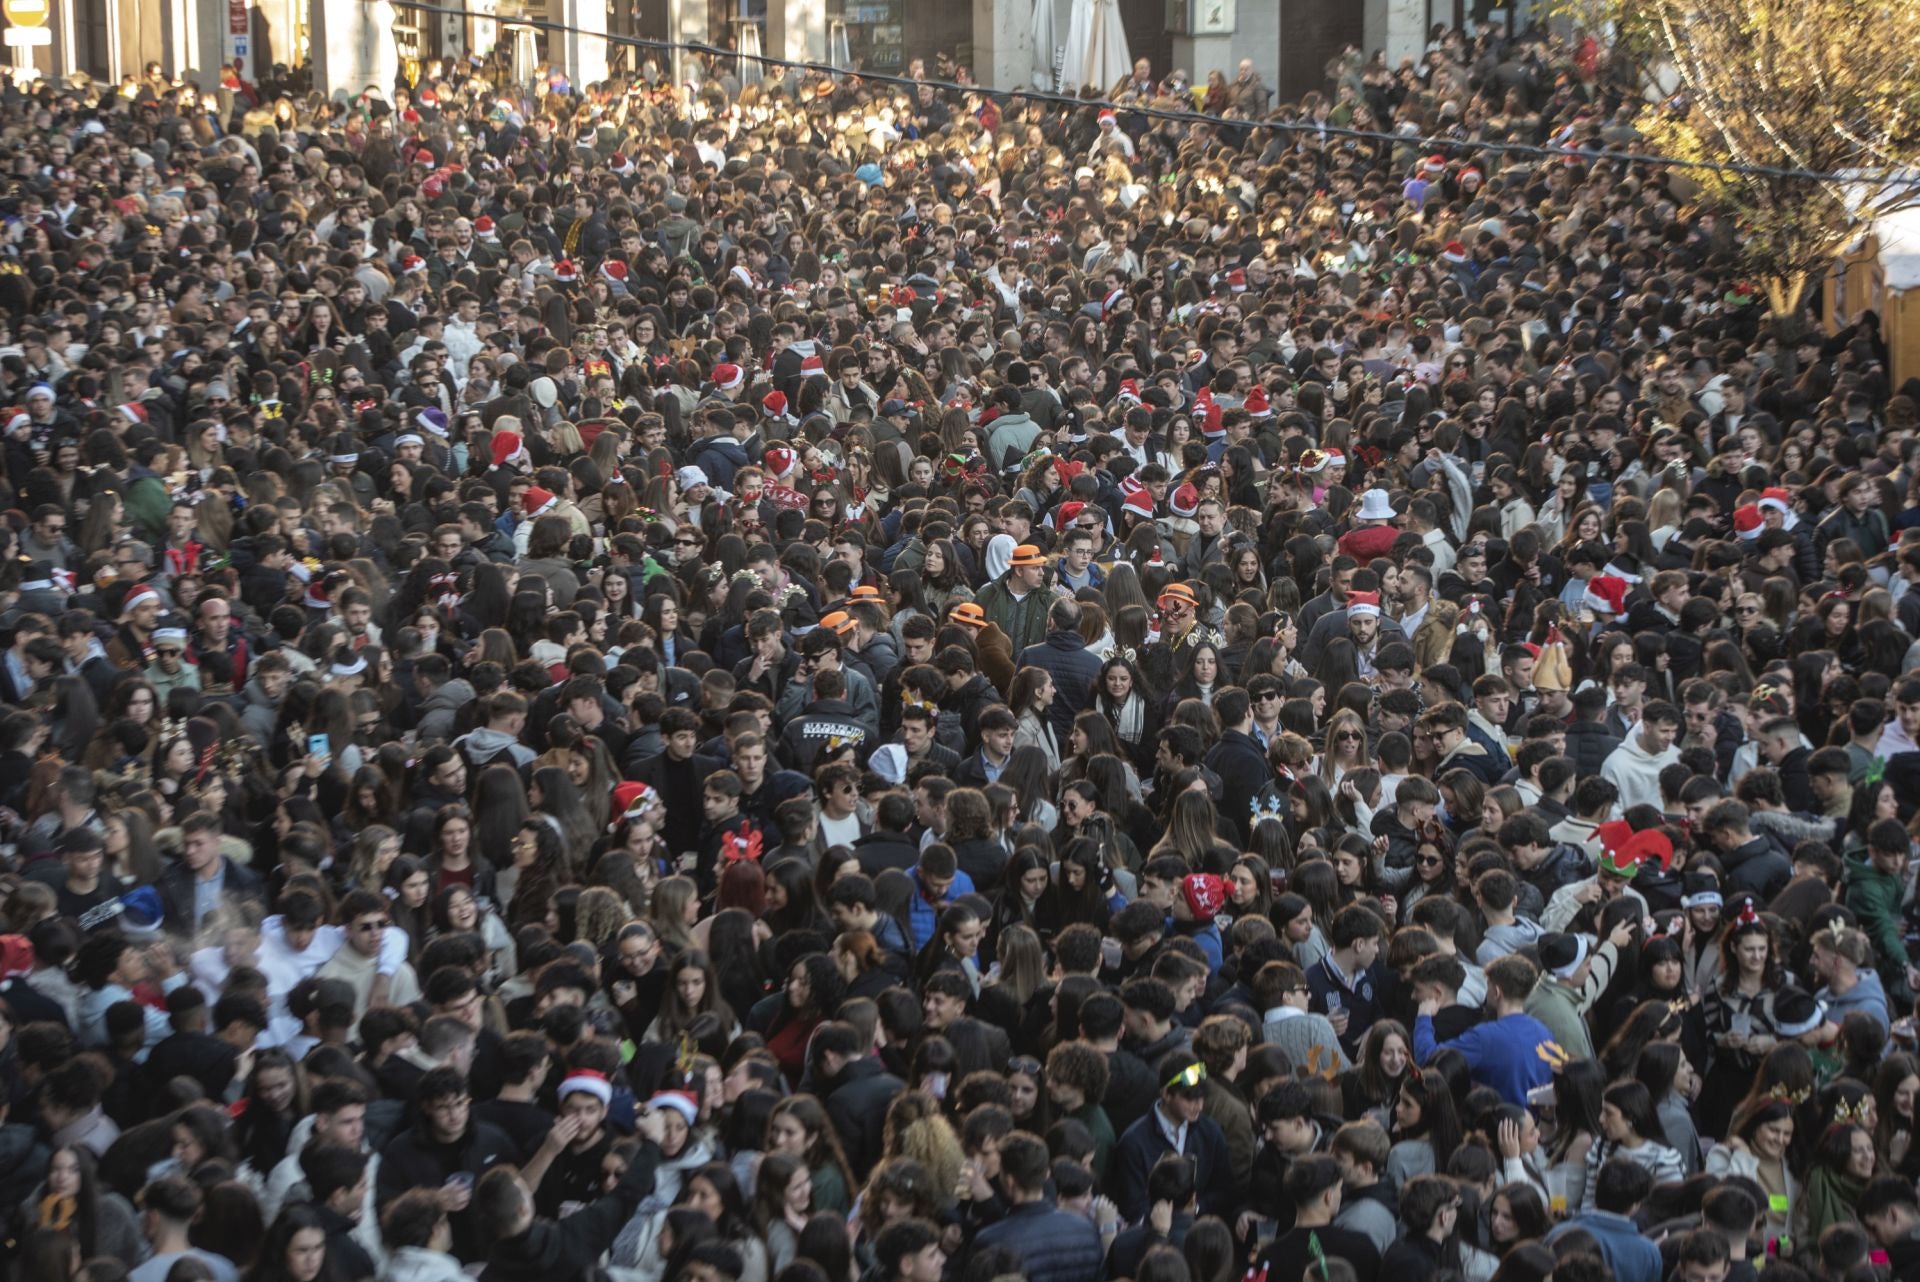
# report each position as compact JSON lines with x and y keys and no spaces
{"x":1421,"y":142}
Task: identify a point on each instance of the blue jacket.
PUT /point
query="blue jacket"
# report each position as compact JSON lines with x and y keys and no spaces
{"x":1361,"y":996}
{"x":1143,"y":1144}
{"x":923,"y":916}
{"x":1053,"y":1245}
{"x":1205,"y":934}
{"x":1867,"y":995}
{"x":1631,"y":1257}
{"x":1075,"y":669}
{"x":1502,"y":1053}
{"x":720,"y":457}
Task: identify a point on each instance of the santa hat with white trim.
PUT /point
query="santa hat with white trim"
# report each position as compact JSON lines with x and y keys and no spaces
{"x":584,"y":1081}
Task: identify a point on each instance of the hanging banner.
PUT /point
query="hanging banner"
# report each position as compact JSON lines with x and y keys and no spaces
{"x":238,"y":44}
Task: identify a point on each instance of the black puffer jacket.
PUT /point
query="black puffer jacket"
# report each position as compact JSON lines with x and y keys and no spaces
{"x":1589,"y":743}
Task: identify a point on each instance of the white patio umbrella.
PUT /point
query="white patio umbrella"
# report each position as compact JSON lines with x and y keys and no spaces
{"x":1049,"y":42}
{"x":1096,"y":47}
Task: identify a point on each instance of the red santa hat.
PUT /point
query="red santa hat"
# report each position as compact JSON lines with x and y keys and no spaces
{"x":483,"y":228}
{"x":412,"y":263}
{"x":614,"y":270}
{"x":565,"y":272}
{"x":1747,"y":521}
{"x":1607,"y":593}
{"x":1470,"y":177}
{"x":1237,"y":281}
{"x":141,"y":595}
{"x":537,"y":501}
{"x":780,"y":460}
{"x":584,"y":1081}
{"x":1434,"y":165}
{"x":1256,"y":404}
{"x":1363,"y":603}
{"x":1214,"y":422}
{"x":135,"y":412}
{"x":1455,"y":252}
{"x":728,"y":377}
{"x":631,"y":801}
{"x":775,"y":404}
{"x":1777,"y":498}
{"x":1130,"y":390}
{"x":507,"y":448}
{"x":1111,"y":301}
{"x":1136,"y":498}
{"x":1185,"y":500}
{"x":812,"y":365}
{"x":1065,"y":515}
{"x":1106,"y":116}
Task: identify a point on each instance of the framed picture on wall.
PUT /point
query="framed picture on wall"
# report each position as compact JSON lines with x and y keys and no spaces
{"x":1200,"y":17}
{"x":1213,"y":17}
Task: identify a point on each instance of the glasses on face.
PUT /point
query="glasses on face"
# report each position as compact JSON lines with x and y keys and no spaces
{"x":1347,"y":736}
{"x":1746,"y":609}
{"x":371,"y":927}
{"x":1430,"y":861}
{"x":1268,"y":696}
{"x":686,"y":543}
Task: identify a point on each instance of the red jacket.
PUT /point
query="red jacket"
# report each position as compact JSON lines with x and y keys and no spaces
{"x":1368,"y":542}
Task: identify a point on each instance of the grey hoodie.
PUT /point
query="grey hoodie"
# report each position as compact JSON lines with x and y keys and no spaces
{"x":1012,"y":435}
{"x":485,"y":743}
{"x":258,"y":714}
{"x":442,"y":708}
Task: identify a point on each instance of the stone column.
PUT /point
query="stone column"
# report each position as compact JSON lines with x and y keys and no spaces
{"x":583,"y":48}
{"x":1197,"y":55}
{"x":797,"y":30}
{"x":687,"y":22}
{"x":1258,"y":38}
{"x":1003,"y":53}
{"x":353,"y":47}
{"x":1397,"y":26}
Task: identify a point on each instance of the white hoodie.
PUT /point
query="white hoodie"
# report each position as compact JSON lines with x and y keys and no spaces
{"x":1636,"y":772}
{"x":418,"y":1264}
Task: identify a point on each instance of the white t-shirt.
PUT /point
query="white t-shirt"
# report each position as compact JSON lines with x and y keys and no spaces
{"x":840,"y":832}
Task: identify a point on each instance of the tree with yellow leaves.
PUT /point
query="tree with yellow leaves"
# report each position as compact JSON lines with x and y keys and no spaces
{"x":1782,"y":88}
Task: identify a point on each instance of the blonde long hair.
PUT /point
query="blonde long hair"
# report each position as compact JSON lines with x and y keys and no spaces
{"x":1347,"y":718}
{"x":916,"y":1128}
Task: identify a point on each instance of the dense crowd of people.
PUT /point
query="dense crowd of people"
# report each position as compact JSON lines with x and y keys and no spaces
{"x":833,"y":680}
